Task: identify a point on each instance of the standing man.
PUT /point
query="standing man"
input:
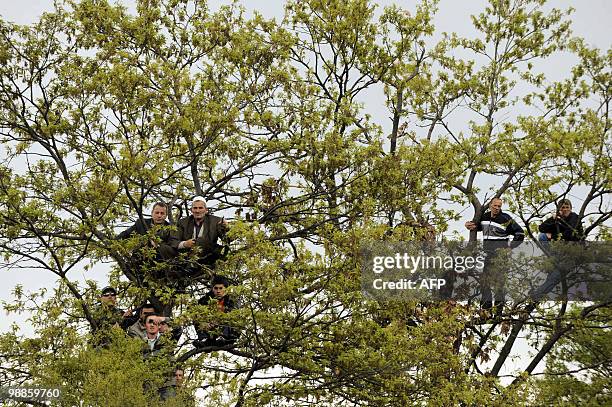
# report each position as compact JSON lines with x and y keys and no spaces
{"x":565,"y":225}
{"x":163,"y":248}
{"x":199,"y":232}
{"x":496,"y":227}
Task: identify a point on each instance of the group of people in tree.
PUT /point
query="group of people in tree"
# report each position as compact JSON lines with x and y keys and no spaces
{"x":497,"y":227}
{"x":197,"y":237}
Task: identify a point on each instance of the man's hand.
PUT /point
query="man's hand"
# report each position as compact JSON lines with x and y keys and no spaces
{"x":188,"y":244}
{"x":470,"y":225}
{"x":223,"y":224}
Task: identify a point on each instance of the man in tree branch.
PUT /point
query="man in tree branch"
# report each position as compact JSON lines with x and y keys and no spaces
{"x":496,"y":227}
{"x":199,"y":232}
{"x":163,"y":249}
{"x":565,"y":225}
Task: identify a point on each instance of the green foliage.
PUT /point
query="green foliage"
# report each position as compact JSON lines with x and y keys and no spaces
{"x":104,"y":112}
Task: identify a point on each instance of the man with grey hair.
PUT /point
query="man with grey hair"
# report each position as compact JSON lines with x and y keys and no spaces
{"x":198,"y":233}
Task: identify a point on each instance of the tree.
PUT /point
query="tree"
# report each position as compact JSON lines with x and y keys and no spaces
{"x":105,"y":112}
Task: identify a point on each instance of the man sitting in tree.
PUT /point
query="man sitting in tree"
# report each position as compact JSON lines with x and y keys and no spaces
{"x":198,"y":233}
{"x":210,"y":334}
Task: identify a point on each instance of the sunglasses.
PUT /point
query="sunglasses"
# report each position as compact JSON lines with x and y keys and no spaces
{"x":152,"y":322}
{"x":109,"y":295}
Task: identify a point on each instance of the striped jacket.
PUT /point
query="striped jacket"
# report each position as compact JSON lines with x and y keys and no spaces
{"x":500,"y":227}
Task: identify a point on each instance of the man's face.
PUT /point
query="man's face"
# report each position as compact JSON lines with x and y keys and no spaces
{"x":179,"y":375}
{"x":495,"y":207}
{"x":152,"y":325}
{"x":219,"y":291}
{"x":108,"y":298}
{"x":565,"y":210}
{"x":158,"y":214}
{"x":198,"y":210}
{"x":146,"y":311}
{"x":163,"y":325}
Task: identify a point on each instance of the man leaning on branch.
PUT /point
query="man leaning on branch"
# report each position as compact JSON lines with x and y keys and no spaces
{"x":565,"y":225}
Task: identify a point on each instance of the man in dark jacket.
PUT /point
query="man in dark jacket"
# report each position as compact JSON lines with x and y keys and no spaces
{"x":496,"y":227}
{"x":211,"y":334}
{"x":565,"y":225}
{"x":199,"y":232}
{"x":107,"y":315}
{"x":163,"y":248}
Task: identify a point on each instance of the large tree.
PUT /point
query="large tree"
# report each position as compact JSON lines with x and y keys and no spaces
{"x":281,"y":125}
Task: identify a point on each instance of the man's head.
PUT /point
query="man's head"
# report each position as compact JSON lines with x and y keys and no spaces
{"x":179,"y":375}
{"x":198,"y":208}
{"x":152,"y":325}
{"x":159,"y":213}
{"x":108,"y":295}
{"x":495,"y":206}
{"x":219,"y":286}
{"x":564,"y":207}
{"x":146,"y":309}
{"x":163,"y":324}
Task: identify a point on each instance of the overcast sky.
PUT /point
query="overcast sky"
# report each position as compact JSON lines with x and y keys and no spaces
{"x":590,"y":20}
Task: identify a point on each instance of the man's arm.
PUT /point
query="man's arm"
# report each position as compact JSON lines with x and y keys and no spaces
{"x":548,"y":226}
{"x":515,"y":230}
{"x":128,"y":232}
{"x":177,"y":235}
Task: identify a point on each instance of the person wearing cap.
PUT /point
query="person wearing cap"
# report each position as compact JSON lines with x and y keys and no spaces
{"x":107,"y":315}
{"x":199,"y":232}
{"x":157,"y":221}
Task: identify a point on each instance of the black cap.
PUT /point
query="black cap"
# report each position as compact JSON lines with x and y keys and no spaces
{"x":109,"y":290}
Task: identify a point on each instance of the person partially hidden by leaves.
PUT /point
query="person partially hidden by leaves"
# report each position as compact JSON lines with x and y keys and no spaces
{"x":138,"y":329}
{"x":160,"y":242}
{"x":565,"y":225}
{"x":210,"y":334}
{"x":107,"y":315}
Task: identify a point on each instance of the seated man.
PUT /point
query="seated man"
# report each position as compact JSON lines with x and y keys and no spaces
{"x":565,"y":225}
{"x":199,"y":232}
{"x":163,"y":249}
{"x":212,"y":334}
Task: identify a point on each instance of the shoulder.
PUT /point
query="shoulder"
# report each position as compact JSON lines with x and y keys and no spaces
{"x":505,"y":217}
{"x":206,"y":298}
{"x":214,"y":219}
{"x":184,"y":221}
